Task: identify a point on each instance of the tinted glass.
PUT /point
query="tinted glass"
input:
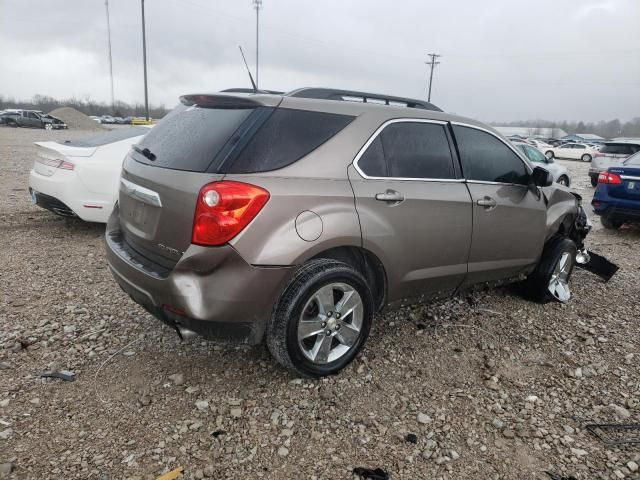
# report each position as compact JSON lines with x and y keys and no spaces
{"x":485,"y":158}
{"x":535,"y":155}
{"x":372,"y":161}
{"x":633,"y":161}
{"x":620,"y":148}
{"x":109,"y":137}
{"x":188,"y":138}
{"x":579,"y":147}
{"x":287,"y":136}
{"x":417,"y":150}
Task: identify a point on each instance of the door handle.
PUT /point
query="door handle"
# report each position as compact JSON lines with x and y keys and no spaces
{"x":390,"y":196}
{"x":487,"y":202}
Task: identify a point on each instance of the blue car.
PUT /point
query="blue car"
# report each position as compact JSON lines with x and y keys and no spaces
{"x":617,"y":197}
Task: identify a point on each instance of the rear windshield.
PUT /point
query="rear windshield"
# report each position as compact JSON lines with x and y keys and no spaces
{"x":620,"y":148}
{"x":189,"y":138}
{"x":286,"y":137}
{"x":109,"y":137}
{"x":633,"y":161}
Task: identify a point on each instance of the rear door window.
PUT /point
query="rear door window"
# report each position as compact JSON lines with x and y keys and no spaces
{"x":409,"y":150}
{"x":189,"y":137}
{"x":286,"y":137}
{"x":485,"y":158}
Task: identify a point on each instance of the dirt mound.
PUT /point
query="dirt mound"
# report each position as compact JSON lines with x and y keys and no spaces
{"x":75,"y":119}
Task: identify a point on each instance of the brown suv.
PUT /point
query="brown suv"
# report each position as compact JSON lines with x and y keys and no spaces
{"x":297,"y":217}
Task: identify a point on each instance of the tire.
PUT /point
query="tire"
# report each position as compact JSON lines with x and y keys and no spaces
{"x":564,"y":180}
{"x":549,"y":154}
{"x":537,"y":286}
{"x":48,"y":126}
{"x":610,"y":223}
{"x":586,"y":157}
{"x":293,"y":346}
{"x":13,"y":124}
{"x":594,"y":181}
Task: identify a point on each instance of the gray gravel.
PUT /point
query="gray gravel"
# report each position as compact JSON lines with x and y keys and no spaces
{"x":491,"y":385}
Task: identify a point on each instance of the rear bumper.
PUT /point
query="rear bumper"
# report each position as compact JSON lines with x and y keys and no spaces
{"x":211,"y":290}
{"x":615,"y":208}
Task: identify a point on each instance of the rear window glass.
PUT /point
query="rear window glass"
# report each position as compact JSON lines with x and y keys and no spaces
{"x":634,"y":160}
{"x":109,"y":137}
{"x":287,"y":136}
{"x":189,"y":138}
{"x":620,"y":148}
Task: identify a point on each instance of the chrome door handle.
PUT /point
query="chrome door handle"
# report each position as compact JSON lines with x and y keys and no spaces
{"x":487,"y":202}
{"x":390,"y":196}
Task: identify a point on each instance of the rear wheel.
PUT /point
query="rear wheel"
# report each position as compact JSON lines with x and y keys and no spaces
{"x":549,"y":154}
{"x":564,"y":180}
{"x":594,"y":181}
{"x":550,"y":279}
{"x":610,"y":223}
{"x":586,"y":157}
{"x":322,"y":319}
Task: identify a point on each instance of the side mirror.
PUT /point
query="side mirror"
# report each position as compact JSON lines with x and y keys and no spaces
{"x":541,"y":177}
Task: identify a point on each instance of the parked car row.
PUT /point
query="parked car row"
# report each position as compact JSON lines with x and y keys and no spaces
{"x":108,"y":119}
{"x":31,"y":118}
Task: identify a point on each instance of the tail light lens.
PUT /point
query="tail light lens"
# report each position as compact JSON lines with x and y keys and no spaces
{"x":224,"y":209}
{"x":610,"y":178}
{"x":56,"y":163}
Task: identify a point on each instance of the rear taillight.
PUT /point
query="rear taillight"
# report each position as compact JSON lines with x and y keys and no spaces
{"x":610,"y":178}
{"x":223,"y":209}
{"x":55,"y":163}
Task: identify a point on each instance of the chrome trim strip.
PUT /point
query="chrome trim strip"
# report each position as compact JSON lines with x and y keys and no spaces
{"x":375,"y":135}
{"x":141,"y":193}
{"x":483,"y":182}
{"x":629,"y":177}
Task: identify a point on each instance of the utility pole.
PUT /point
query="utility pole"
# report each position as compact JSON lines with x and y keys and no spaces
{"x":144,"y":61}
{"x":106,"y":4}
{"x":257,"y":4}
{"x":432,"y":63}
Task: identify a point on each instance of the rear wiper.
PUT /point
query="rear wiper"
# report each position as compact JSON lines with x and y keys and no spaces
{"x":145,"y":152}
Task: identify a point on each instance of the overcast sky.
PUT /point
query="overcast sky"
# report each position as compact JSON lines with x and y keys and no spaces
{"x":502,"y":59}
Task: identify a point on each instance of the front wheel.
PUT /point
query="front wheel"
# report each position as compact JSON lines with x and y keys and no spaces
{"x":586,"y":157}
{"x":322,"y":319}
{"x":550,"y":279}
{"x":610,"y":223}
{"x":48,"y":126}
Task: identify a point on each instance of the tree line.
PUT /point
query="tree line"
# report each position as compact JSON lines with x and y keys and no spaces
{"x":86,"y":105}
{"x":611,"y":129}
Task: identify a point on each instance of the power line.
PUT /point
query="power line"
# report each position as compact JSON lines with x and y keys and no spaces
{"x":106,"y":4}
{"x":432,"y":63}
{"x":257,"y":4}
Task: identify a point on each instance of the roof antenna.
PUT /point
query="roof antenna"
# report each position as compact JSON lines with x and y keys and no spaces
{"x":255,"y":87}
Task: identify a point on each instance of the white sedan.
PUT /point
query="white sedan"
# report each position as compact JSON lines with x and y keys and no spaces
{"x":574,"y":151}
{"x":80,"y":178}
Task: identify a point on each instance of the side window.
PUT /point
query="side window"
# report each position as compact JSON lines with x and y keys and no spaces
{"x":535,"y":155}
{"x":409,"y":150}
{"x":579,"y":147}
{"x":487,"y":159}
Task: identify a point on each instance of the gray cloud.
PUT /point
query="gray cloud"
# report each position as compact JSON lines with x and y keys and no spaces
{"x":502,"y":60}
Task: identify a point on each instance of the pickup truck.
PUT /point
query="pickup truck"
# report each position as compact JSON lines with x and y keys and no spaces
{"x":33,"y":118}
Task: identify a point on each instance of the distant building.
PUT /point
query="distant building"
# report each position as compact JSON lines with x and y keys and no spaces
{"x":542,"y":132}
{"x":583,"y":137}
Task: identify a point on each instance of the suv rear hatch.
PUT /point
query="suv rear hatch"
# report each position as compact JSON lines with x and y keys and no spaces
{"x":163,"y":174}
{"x":612,"y":154}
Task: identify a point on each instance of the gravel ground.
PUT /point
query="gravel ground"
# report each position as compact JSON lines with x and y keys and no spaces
{"x":488,"y":386}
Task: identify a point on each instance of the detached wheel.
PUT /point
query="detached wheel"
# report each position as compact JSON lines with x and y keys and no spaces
{"x":549,"y":154}
{"x":586,"y":157}
{"x":550,"y":279}
{"x":564,"y":180}
{"x":594,"y":181}
{"x":610,"y":223}
{"x":322,"y":319}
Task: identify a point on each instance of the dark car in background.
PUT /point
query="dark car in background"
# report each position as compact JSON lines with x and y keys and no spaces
{"x":617,"y":197}
{"x":33,"y":119}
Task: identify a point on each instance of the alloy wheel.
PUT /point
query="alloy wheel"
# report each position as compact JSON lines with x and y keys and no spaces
{"x":330,"y":323}
{"x":559,"y":282}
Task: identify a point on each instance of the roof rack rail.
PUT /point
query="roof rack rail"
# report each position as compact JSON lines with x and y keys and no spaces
{"x":250,"y":90}
{"x":354,"y":96}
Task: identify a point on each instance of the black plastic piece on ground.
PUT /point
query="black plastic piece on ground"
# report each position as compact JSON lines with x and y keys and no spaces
{"x":62,"y":376}
{"x":600,"y":266}
{"x":411,"y":438}
{"x":616,"y":433}
{"x":369,"y":474}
